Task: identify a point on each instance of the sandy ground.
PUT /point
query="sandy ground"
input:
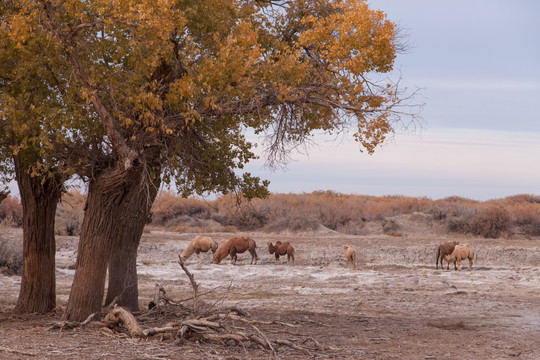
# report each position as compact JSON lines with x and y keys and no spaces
{"x":394,"y":305}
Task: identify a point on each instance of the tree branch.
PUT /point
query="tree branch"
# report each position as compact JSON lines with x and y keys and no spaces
{"x":127,"y":154}
{"x":194,"y":285}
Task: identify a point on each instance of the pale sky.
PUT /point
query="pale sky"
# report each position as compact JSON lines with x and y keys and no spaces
{"x":478,"y":62}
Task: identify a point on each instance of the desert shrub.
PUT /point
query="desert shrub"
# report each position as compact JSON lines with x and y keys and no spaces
{"x":490,"y":223}
{"x":204,"y":229}
{"x":239,"y":213}
{"x":70,"y":213}
{"x":459,"y":218}
{"x":391,"y":227}
{"x":458,"y":225}
{"x":11,"y":212}
{"x":525,"y":213}
{"x":345,"y":213}
{"x":11,"y":260}
{"x":247,"y":218}
{"x":438,"y":213}
{"x":293,"y":223}
{"x":353,"y":228}
{"x":169,"y":206}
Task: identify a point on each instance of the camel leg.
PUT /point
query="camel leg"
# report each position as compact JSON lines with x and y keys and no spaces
{"x":459,"y":264}
{"x":290,"y":258}
{"x":277,"y":258}
{"x":254,"y":257}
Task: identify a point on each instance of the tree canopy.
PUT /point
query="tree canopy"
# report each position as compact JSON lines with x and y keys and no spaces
{"x":190,"y":77}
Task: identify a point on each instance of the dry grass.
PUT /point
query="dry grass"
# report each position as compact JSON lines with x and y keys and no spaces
{"x":11,"y":212}
{"x":69,"y":214}
{"x":345,"y":213}
{"x":11,"y":258}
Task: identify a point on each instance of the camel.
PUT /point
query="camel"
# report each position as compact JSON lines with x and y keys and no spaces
{"x":461,"y":252}
{"x":445,"y":248}
{"x":350,"y":255}
{"x":233,"y":246}
{"x":282,"y":249}
{"x":199,"y":244}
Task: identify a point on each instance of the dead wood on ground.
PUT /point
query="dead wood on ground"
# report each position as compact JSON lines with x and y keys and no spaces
{"x":67,"y":325}
{"x":119,"y":316}
{"x":221,"y":327}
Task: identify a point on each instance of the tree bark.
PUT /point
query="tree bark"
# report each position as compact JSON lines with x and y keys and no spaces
{"x":116,"y":210}
{"x":39,"y":198}
{"x":123,"y":284}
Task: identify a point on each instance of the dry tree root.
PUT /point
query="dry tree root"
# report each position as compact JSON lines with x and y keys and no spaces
{"x":119,"y":316}
{"x":67,"y":325}
{"x":159,"y":298}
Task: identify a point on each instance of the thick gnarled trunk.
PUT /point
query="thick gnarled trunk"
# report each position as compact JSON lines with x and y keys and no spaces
{"x":123,"y":285}
{"x":116,"y":210}
{"x":39,"y":198}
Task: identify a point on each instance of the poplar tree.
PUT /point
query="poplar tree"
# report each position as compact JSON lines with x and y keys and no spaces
{"x":170,"y":88}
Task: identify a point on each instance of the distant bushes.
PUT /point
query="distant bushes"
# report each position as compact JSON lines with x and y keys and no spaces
{"x":168,"y":208}
{"x":11,"y":259}
{"x":69,"y":214}
{"x":11,"y":212}
{"x":490,"y":223}
{"x":345,"y":213}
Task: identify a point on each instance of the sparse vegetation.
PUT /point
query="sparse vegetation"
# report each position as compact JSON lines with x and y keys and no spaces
{"x":349,"y":214}
{"x":11,"y":258}
{"x":517,"y":215}
{"x":69,"y":214}
{"x":11,"y":212}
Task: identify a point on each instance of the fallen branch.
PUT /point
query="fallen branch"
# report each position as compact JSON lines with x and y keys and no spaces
{"x":219,"y":328}
{"x":293,"y":346}
{"x":268,"y":345}
{"x":158,"y":298}
{"x":154,"y":331}
{"x":119,"y":316}
{"x":194,"y":285}
{"x":68,"y":325}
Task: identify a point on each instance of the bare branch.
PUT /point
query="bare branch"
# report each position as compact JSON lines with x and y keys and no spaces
{"x":194,"y":285}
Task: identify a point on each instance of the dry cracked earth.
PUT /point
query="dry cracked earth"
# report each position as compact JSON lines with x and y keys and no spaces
{"x":393,"y":305}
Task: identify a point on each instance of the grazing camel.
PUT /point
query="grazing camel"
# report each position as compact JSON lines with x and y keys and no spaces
{"x":282,"y":249}
{"x":445,"y":248}
{"x":233,"y":246}
{"x":350,"y":255}
{"x":461,"y":252}
{"x":198,"y":245}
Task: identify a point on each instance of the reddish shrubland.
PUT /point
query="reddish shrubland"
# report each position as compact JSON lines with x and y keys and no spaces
{"x":69,"y":213}
{"x":11,"y":212}
{"x":345,"y":213}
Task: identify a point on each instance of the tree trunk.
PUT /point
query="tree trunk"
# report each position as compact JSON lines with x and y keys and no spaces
{"x":123,"y":284}
{"x":116,"y":210}
{"x":39,"y":197}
